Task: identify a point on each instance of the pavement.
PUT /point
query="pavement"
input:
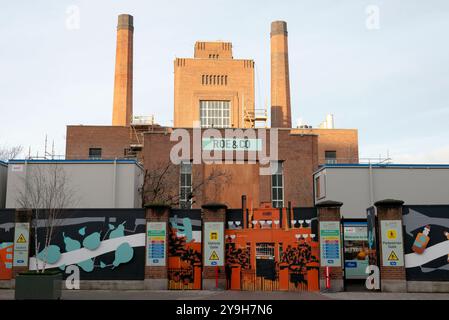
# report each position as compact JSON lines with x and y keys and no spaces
{"x":7,"y":294}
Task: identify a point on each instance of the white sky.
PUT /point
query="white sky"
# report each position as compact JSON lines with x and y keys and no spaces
{"x":391,"y":83}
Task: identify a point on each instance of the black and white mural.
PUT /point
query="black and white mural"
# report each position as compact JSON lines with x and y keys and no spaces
{"x":426,"y":242}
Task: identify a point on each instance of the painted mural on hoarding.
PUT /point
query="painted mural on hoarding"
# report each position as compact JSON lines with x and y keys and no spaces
{"x":184,"y":249}
{"x":106,"y":244}
{"x":272,"y":249}
{"x":6,"y":243}
{"x":426,"y":242}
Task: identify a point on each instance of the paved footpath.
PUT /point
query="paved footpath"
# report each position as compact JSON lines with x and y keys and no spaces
{"x":232,"y":295}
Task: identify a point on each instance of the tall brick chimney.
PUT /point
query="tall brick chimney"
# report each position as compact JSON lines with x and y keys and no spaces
{"x":280,"y":81}
{"x":123,"y":81}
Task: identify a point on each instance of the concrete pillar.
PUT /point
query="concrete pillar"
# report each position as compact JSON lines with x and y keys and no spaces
{"x":156,"y":275}
{"x":213,"y":212}
{"x":391,"y":246}
{"x":22,"y":250}
{"x":329,"y":230}
{"x":123,"y":81}
{"x":280,"y":79}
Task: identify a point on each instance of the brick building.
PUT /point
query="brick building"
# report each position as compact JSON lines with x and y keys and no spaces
{"x":214,"y":90}
{"x":297,"y":158}
{"x":214,"y":79}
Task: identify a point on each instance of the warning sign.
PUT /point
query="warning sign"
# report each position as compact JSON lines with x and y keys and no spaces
{"x":392,"y":234}
{"x":21,"y":239}
{"x":392,"y":243}
{"x":393,"y":256}
{"x":213,"y":235}
{"x":214,"y":256}
{"x":213,"y":244}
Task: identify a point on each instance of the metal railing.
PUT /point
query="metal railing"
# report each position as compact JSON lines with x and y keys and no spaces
{"x":353,"y":160}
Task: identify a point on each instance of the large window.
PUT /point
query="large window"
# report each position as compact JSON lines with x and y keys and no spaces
{"x":185,"y":189}
{"x":277,"y":185}
{"x":215,"y":114}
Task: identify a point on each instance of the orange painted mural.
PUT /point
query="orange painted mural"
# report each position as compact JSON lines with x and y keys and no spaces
{"x":266,"y":249}
{"x":273,"y":249}
{"x":184,"y":250}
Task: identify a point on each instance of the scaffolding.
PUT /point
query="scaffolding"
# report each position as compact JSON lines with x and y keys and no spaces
{"x":257,"y":118}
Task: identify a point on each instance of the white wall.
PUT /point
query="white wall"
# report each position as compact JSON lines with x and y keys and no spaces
{"x":3,"y":180}
{"x":95,"y":184}
{"x":351,"y":185}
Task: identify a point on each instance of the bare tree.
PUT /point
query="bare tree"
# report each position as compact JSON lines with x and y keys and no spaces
{"x":161,"y":184}
{"x":46,"y":191}
{"x":8,"y":153}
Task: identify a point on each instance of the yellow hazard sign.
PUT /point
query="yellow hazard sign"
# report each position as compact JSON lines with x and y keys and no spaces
{"x":393,"y":256}
{"x":392,"y":234}
{"x":214,"y":256}
{"x":21,"y":239}
{"x":213,"y":235}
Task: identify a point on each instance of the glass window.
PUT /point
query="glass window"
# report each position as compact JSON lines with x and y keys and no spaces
{"x":330,"y":157}
{"x":94,"y":153}
{"x":277,"y":185}
{"x":185,"y":188}
{"x":215,"y":114}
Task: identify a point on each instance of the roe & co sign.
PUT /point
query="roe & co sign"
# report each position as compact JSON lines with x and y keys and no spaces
{"x":229,"y":144}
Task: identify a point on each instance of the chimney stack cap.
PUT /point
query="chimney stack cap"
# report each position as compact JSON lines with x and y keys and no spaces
{"x":278,"y":27}
{"x":125,"y":21}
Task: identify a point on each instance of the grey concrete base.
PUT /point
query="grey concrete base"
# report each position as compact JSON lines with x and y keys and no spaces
{"x":336,"y":285}
{"x":7,"y":284}
{"x":156,"y":284}
{"x":393,"y":285}
{"x":210,"y":284}
{"x":427,"y":286}
{"x":110,"y":285}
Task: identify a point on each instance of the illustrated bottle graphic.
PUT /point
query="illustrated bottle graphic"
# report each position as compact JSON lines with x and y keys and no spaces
{"x":421,"y":240}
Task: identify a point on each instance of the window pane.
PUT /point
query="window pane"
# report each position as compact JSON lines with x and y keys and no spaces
{"x":214,"y":113}
{"x":273,"y":181}
{"x":279,"y":180}
{"x":275,"y":194}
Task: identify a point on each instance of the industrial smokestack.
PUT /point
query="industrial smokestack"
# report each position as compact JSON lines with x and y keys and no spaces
{"x":123,"y":81}
{"x":280,"y":81}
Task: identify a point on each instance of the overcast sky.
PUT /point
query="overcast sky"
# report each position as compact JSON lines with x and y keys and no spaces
{"x":387,"y":77}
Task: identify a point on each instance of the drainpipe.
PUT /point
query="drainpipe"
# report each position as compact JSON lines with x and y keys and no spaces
{"x":371,"y":188}
{"x":114,"y":183}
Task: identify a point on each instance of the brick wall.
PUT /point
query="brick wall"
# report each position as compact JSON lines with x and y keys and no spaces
{"x":189,"y":87}
{"x":298,"y":152}
{"x":344,"y":141}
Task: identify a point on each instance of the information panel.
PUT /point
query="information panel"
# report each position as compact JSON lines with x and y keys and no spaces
{"x":21,"y":244}
{"x":156,"y":243}
{"x":392,"y":243}
{"x":356,"y":253}
{"x":214,"y":244}
{"x":330,"y":243}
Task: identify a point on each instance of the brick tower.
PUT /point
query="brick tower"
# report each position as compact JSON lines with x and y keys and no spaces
{"x":123,"y":81}
{"x":280,"y":82}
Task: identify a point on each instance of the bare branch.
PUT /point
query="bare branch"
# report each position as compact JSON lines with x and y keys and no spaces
{"x":8,"y":153}
{"x":45,"y":190}
{"x":161,"y":184}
